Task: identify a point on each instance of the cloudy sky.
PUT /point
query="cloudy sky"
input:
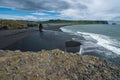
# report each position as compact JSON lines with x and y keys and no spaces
{"x":60,"y":9}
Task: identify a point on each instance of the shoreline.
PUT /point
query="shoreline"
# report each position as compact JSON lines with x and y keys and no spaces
{"x":46,"y":40}
{"x":12,"y":36}
{"x":54,"y":27}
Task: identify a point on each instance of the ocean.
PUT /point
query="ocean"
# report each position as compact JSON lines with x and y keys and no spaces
{"x":101,"y":40}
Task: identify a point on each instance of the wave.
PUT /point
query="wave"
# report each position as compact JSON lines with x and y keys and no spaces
{"x":102,"y":40}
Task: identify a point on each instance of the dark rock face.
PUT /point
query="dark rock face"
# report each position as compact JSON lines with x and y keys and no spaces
{"x":40,"y":27}
{"x":72,"y":43}
{"x":72,"y":46}
{"x":72,"y":49}
{"x":55,"y":64}
{"x":113,"y":23}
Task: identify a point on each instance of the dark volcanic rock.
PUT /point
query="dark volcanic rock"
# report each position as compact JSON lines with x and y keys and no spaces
{"x":72,"y":43}
{"x":72,"y":46}
{"x":55,"y":65}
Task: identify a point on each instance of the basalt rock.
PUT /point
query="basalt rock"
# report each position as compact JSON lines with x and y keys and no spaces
{"x":72,"y":43}
{"x":72,"y":46}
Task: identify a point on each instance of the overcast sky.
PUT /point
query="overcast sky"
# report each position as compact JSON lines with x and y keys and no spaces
{"x":60,"y":9}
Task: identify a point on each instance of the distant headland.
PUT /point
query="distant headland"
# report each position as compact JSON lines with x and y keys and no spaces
{"x":18,"y":24}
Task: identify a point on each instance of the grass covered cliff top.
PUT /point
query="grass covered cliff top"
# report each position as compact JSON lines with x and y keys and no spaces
{"x":54,"y":65}
{"x":16,"y":24}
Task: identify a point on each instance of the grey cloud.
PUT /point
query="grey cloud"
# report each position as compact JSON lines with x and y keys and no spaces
{"x":35,"y":5}
{"x":74,"y":9}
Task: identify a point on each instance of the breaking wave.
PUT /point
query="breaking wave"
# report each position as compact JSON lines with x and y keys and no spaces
{"x":102,"y":40}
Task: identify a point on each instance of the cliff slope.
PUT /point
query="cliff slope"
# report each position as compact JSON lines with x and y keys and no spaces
{"x":54,"y":65}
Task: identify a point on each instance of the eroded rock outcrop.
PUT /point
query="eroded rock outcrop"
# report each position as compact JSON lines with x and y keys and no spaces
{"x":54,"y":65}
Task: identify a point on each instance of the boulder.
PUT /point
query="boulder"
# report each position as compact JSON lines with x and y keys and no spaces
{"x":72,"y":43}
{"x":72,"y":46}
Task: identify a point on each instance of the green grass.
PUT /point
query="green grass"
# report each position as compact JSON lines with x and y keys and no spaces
{"x":15,"y":24}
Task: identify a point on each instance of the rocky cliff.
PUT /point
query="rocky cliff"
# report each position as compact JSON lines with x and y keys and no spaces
{"x":54,"y":65}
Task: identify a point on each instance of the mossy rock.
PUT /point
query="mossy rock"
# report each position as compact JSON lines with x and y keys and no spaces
{"x":55,"y":64}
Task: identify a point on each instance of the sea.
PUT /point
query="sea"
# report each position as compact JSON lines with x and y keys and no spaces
{"x":100,"y":40}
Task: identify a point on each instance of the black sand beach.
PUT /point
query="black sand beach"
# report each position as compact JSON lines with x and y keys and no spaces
{"x":33,"y":40}
{"x":9,"y":37}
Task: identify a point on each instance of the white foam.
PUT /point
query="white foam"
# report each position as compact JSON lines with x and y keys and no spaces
{"x":102,"y":40}
{"x":81,"y":49}
{"x":66,"y":30}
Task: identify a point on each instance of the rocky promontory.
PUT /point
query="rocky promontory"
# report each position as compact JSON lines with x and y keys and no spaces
{"x":54,"y":65}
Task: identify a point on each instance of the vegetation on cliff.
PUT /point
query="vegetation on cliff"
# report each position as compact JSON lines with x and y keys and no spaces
{"x":15,"y":24}
{"x":54,"y":65}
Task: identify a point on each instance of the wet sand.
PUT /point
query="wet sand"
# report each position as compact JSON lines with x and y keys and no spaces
{"x":46,"y":40}
{"x":33,"y":40}
{"x":8,"y":37}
